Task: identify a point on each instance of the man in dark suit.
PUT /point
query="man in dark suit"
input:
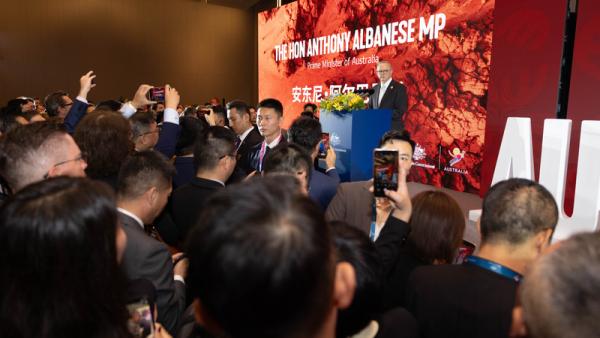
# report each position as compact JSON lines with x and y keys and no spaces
{"x":353,"y":202}
{"x":143,"y":189}
{"x":306,"y":133}
{"x":476,"y":299}
{"x":269,"y":118}
{"x":215,"y":159}
{"x":60,"y":105}
{"x":247,"y":136}
{"x":389,"y":94}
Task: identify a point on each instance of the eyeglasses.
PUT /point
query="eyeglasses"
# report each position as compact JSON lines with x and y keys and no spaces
{"x":157,"y":130}
{"x":80,"y":157}
{"x":384,"y":71}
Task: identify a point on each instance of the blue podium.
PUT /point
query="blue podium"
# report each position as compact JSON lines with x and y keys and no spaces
{"x":353,"y":136}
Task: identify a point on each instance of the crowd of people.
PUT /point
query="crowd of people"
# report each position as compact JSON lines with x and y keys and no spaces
{"x":129,"y":218}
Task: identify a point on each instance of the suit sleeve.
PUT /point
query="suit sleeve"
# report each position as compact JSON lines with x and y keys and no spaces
{"x":337,"y":208}
{"x":400,"y":102}
{"x":334,"y":175}
{"x":390,"y":241}
{"x":170,"y":294}
{"x":75,"y":114}
{"x":167,"y":139}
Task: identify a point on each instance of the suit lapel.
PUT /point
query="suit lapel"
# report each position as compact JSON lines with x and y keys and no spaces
{"x":388,"y":92}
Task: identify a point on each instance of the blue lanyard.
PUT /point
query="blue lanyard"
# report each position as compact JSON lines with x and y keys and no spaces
{"x":373,"y":220}
{"x":493,"y":267}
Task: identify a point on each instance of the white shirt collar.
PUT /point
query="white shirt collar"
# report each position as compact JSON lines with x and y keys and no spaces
{"x":130,"y":214}
{"x":210,"y":179}
{"x":275,"y":142}
{"x":386,"y":83}
{"x":245,"y":134}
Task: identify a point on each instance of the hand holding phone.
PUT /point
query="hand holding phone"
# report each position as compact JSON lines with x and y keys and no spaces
{"x":156,"y":94}
{"x":324,"y":145}
{"x":385,"y":171}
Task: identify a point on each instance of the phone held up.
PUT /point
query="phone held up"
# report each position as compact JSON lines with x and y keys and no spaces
{"x":324,"y":145}
{"x":385,"y":171}
{"x":141,"y":319}
{"x":156,"y":94}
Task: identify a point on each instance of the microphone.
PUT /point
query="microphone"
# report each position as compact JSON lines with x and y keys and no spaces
{"x":365,"y":92}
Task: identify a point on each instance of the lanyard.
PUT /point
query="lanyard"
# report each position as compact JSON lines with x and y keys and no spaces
{"x":493,"y":267}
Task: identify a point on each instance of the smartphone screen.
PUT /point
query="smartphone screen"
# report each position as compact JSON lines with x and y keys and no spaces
{"x":465,"y":250}
{"x":141,"y":321}
{"x":157,"y":94}
{"x":385,"y":171}
{"x":324,"y":145}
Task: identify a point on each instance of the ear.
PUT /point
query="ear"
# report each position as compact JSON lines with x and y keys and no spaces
{"x":54,"y":171}
{"x":542,"y":239}
{"x":151,"y":195}
{"x":478,"y":226}
{"x":204,"y":319}
{"x":344,"y":285}
{"x":517,"y":328}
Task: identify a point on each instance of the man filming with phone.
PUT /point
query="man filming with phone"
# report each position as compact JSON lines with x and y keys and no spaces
{"x":354,"y":202}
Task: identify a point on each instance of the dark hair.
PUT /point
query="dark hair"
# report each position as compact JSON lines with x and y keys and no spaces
{"x":216,"y":143}
{"x":24,"y":149}
{"x":240,"y":107}
{"x":53,"y":102}
{"x":105,"y":137}
{"x":288,"y":158}
{"x":143,"y":170}
{"x":561,"y":294}
{"x":353,"y":246}
{"x":306,"y":133}
{"x":308,"y":114}
{"x":516,"y":209}
{"x":437,"y":226}
{"x":140,"y":123}
{"x":311,"y":105}
{"x":112,"y":105}
{"x":261,"y":261}
{"x":8,"y":120}
{"x":397,"y":135}
{"x":192,"y":129}
{"x":273,"y":104}
{"x":58,"y":264}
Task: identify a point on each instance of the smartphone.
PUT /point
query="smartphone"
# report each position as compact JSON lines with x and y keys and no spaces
{"x":324,"y":145}
{"x":141,"y":319}
{"x":465,"y":250}
{"x":385,"y":171}
{"x":156,"y":94}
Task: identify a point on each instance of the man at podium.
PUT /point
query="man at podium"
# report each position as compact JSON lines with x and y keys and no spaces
{"x":389,"y":94}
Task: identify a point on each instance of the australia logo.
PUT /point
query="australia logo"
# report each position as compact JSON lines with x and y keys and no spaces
{"x":420,"y":153}
{"x":457,"y":156}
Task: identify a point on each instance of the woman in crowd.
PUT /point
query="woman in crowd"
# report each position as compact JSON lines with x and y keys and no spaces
{"x":437,"y":225}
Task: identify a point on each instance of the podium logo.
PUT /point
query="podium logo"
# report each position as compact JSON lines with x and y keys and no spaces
{"x":334,"y":139}
{"x":457,"y":156}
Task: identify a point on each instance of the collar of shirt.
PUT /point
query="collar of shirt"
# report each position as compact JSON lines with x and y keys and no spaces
{"x":245,"y":134}
{"x":210,"y":179}
{"x":386,"y":84}
{"x":130,"y":214}
{"x":275,"y":142}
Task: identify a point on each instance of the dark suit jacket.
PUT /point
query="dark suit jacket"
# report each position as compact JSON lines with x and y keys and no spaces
{"x":461,"y":301}
{"x":167,"y":139}
{"x":322,"y":187}
{"x":352,"y":204}
{"x":243,"y":167}
{"x":253,"y":155}
{"x":395,"y":98}
{"x":75,"y":114}
{"x":150,"y":259}
{"x":187,"y":202}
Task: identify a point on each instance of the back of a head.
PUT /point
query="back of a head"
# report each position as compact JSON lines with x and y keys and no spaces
{"x":191,"y":131}
{"x":353,"y":246}
{"x":437,"y":226}
{"x":560,"y":295}
{"x":287,"y":158}
{"x":266,"y":269}
{"x":305,"y":132}
{"x":27,"y":152}
{"x":58,"y":263}
{"x":516,"y":210}
{"x":240,"y":106}
{"x":142,"y":171}
{"x":104,"y":136}
{"x":214,"y":144}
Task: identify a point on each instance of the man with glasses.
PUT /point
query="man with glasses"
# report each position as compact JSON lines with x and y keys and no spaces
{"x":33,"y":152}
{"x":215,"y":160}
{"x":389,"y":94}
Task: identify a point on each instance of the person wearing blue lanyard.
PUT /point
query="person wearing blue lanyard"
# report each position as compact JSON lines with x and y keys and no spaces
{"x":476,"y":298}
